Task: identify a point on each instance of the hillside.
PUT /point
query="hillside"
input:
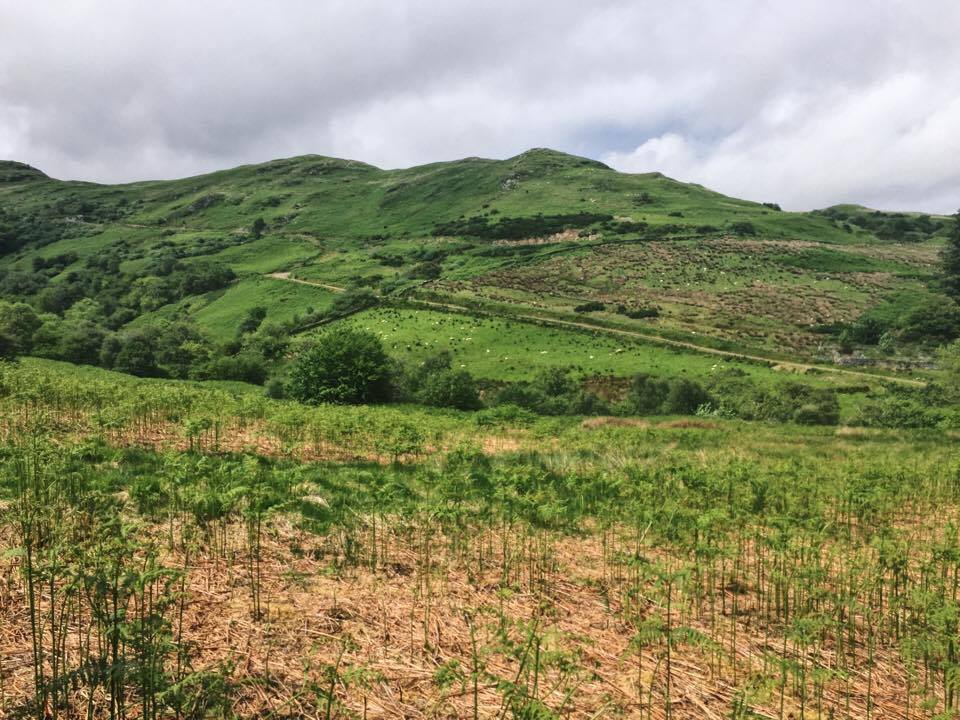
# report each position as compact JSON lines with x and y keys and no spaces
{"x":546,"y":233}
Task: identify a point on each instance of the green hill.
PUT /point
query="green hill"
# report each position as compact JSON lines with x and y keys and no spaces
{"x":543,"y":236}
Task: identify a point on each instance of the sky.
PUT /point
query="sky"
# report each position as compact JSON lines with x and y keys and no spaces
{"x":807,"y":103}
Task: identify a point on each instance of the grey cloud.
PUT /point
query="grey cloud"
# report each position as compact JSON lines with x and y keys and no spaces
{"x":806,"y":103}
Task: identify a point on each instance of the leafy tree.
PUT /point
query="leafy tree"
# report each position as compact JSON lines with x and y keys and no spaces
{"x":137,"y":354}
{"x":59,"y":296}
{"x":81,"y":342}
{"x":19,"y":322}
{"x":931,"y":322}
{"x":109,"y":351}
{"x":204,"y":276}
{"x":950,"y":259}
{"x":85,"y":310}
{"x":270,"y":341}
{"x":179,"y":348}
{"x":343,"y":366}
{"x":256,"y":230}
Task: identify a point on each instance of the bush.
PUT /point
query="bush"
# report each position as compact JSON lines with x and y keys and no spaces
{"x":450,"y":388}
{"x":933,"y":322}
{"x":245,"y":367}
{"x":19,"y":322}
{"x":646,"y":395}
{"x":552,"y":392}
{"x":352,"y":301}
{"x":684,"y":397}
{"x":343,"y":366}
{"x":274,"y":389}
{"x":252,"y":320}
{"x":897,"y":411}
{"x":137,"y":354}
{"x":592,"y":306}
{"x":789,"y":402}
{"x":743,"y":227}
{"x":8,"y":347}
{"x":638,"y":313}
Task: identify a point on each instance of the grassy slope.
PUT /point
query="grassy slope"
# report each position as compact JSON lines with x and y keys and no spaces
{"x":326,"y":218}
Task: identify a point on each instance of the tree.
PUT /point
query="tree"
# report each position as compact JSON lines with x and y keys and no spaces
{"x":343,"y":366}
{"x":256,"y":230}
{"x":950,"y":260}
{"x":137,"y":354}
{"x":19,"y":322}
{"x":80,"y":342}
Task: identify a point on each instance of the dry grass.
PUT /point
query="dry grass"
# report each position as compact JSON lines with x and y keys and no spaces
{"x":404,"y":621}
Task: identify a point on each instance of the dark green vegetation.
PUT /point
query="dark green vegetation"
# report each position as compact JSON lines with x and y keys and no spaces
{"x":177,"y":551}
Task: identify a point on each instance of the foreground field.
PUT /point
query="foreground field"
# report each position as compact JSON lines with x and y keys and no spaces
{"x":180,"y":551}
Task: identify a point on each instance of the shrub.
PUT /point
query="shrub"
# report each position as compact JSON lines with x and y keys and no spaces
{"x":343,"y":366}
{"x":450,"y":388}
{"x":646,"y":395}
{"x":137,"y":354}
{"x":638,"y":313}
{"x":933,"y":322}
{"x":274,"y":389}
{"x":684,"y":397}
{"x":592,"y":306}
{"x":352,"y":301}
{"x":252,"y":320}
{"x":245,"y":367}
{"x":19,"y":322}
{"x":8,"y":347}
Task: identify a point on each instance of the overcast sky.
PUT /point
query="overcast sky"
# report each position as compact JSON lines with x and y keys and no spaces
{"x":802,"y":102}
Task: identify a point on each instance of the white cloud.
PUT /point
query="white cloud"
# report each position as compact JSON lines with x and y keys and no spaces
{"x":805,"y":103}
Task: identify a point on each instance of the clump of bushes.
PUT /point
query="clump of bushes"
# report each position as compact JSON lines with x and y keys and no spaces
{"x":743,"y":227}
{"x":588,"y":307}
{"x":434,"y":382}
{"x":736,"y":395}
{"x":553,"y":391}
{"x":638,"y":313}
{"x":650,"y":395}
